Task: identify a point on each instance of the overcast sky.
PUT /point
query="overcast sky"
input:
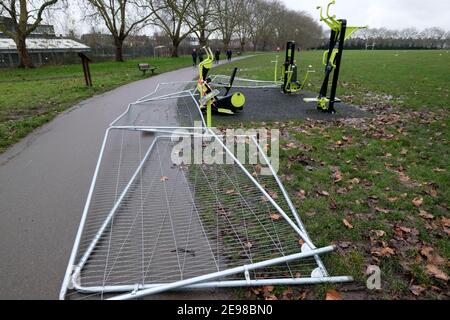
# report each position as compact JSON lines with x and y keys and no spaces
{"x":392,"y":14}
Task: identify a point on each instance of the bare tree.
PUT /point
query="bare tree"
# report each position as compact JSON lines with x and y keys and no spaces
{"x":25,"y":16}
{"x":263,"y":21}
{"x":121,"y":17}
{"x":171,"y":16}
{"x":246,"y":22}
{"x":201,"y":16}
{"x":227,"y":18}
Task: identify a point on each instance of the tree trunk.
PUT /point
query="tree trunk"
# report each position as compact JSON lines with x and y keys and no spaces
{"x":24,"y":58}
{"x":175,"y":45}
{"x":243,"y":42}
{"x":119,"y":50}
{"x":202,"y":38}
{"x":226,"y":43}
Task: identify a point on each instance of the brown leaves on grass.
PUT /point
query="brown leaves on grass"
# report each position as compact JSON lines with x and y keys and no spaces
{"x":382,"y":252}
{"x":275,"y":217}
{"x":337,"y":175}
{"x":424,"y":214}
{"x":381,"y":210}
{"x":407,"y":181}
{"x":231,"y":192}
{"x":417,"y":290}
{"x":333,"y":295}
{"x":379,"y":233}
{"x":446,"y":225}
{"x":436,"y":272}
{"x":347,"y":224}
{"x":301,"y":194}
{"x":323,"y":193}
{"x":417,"y":201}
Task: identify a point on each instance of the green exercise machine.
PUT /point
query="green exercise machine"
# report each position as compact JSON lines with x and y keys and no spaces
{"x":211,"y":100}
{"x":332,"y":59}
{"x":289,"y":72}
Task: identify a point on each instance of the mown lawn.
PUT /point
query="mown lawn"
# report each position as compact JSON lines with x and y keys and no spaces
{"x":378,"y":188}
{"x":30,"y":98}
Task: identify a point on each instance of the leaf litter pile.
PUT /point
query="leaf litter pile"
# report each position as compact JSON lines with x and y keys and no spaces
{"x":378,"y":189}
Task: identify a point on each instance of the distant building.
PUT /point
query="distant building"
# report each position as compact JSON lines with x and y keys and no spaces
{"x":43,"y":46}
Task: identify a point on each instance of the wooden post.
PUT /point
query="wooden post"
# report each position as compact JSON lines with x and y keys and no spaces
{"x":86,"y":69}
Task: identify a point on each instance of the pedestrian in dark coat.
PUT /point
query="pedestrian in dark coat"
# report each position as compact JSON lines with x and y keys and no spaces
{"x":229,"y":54}
{"x":217,"y":56}
{"x":194,"y":57}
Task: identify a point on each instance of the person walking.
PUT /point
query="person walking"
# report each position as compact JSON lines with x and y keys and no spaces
{"x":229,"y":54}
{"x":194,"y":57}
{"x":217,"y":56}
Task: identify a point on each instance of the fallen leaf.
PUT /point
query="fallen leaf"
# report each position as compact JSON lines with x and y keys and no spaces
{"x":248,"y":245}
{"x":275,"y":217}
{"x":379,"y":233}
{"x":417,"y":290}
{"x":393,"y":199}
{"x":324,"y":193}
{"x":347,"y":224}
{"x":387,"y":251}
{"x":436,"y":272}
{"x":445,"y":222}
{"x":381,"y":210}
{"x":347,"y":139}
{"x":424,"y":214}
{"x":426,"y":252}
{"x":301,"y":194}
{"x":433,"y":193}
{"x":405,"y":229}
{"x":230,"y":191}
{"x":439,"y":170}
{"x":337,"y":175}
{"x":273,"y":195}
{"x":355,"y":181}
{"x":310,"y":213}
{"x":417,"y":202}
{"x":404,"y":152}
{"x":333,"y":295}
{"x":271,"y":298}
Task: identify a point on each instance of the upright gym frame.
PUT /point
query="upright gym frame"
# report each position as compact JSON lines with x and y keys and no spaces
{"x":332,"y":59}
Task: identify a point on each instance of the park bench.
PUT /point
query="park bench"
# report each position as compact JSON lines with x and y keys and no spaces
{"x":144,"y":67}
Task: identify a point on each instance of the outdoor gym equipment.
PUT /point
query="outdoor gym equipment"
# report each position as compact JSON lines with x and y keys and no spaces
{"x":151,"y":226}
{"x":210,"y":99}
{"x":332,"y":58}
{"x":289,"y":72}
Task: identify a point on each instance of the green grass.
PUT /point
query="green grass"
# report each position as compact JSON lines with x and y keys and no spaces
{"x":30,"y":98}
{"x":387,"y":161}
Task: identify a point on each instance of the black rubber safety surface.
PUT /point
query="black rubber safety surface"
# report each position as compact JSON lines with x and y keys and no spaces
{"x":273,"y":105}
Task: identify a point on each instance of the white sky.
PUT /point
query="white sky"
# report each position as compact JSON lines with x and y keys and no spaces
{"x":392,"y":14}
